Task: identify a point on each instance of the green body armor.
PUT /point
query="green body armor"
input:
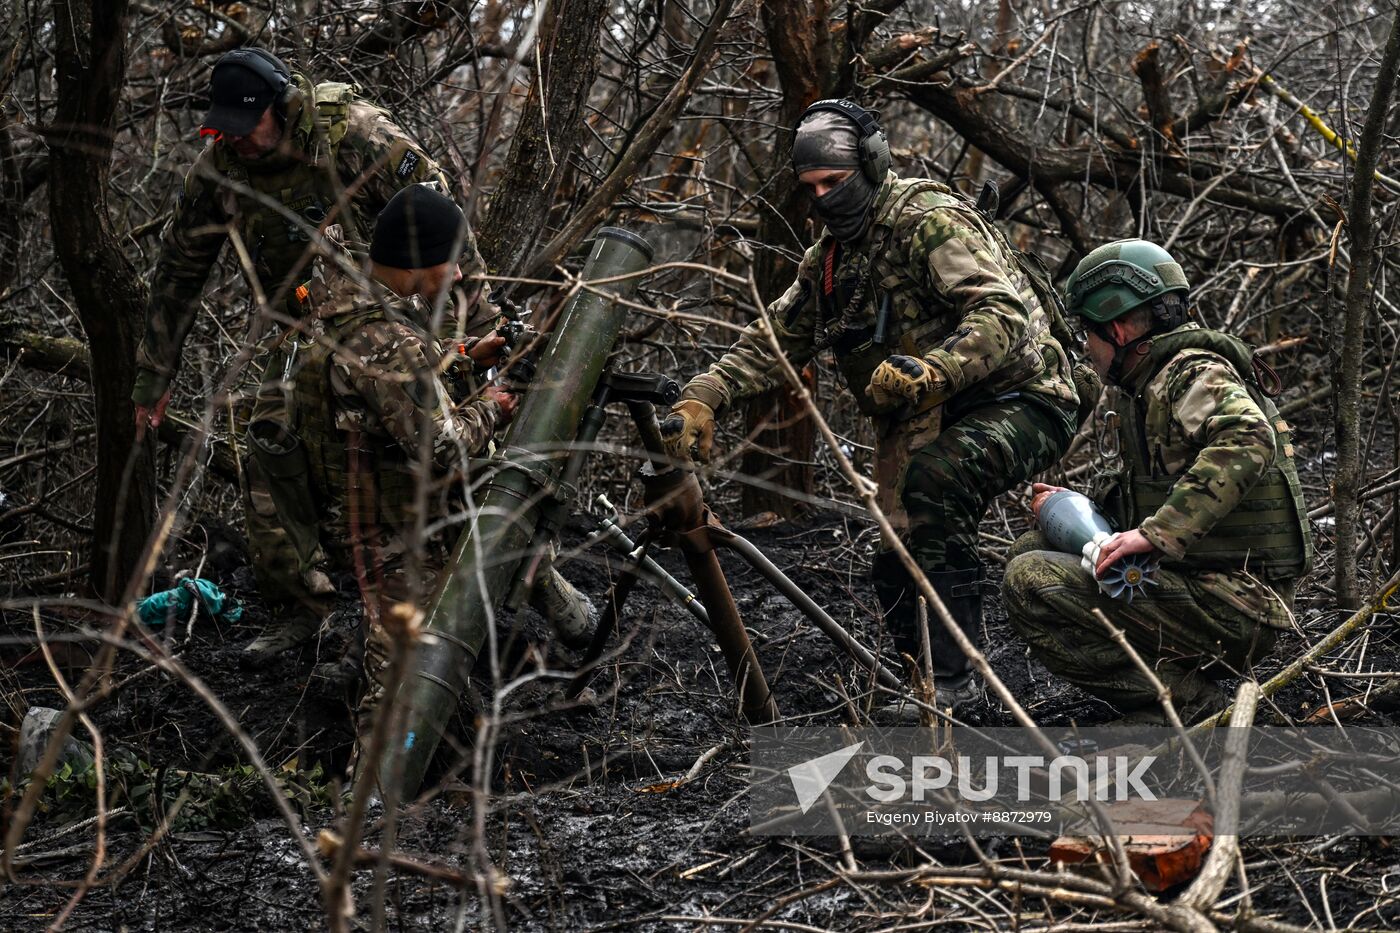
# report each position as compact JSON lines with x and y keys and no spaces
{"x":292,"y":201}
{"x":386,"y":479}
{"x":1267,"y":532}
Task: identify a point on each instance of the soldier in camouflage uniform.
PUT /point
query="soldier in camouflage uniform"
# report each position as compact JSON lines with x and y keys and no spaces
{"x":288,"y":158}
{"x":379,"y":427}
{"x":937,"y":329}
{"x":1204,"y":480}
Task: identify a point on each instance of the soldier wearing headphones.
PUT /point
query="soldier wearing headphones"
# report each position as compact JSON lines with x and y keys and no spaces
{"x":288,"y":159}
{"x":943,"y":336}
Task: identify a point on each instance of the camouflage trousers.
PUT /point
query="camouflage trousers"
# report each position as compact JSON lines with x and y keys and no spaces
{"x":950,"y":481}
{"x":282,"y":527}
{"x":1185,"y":635}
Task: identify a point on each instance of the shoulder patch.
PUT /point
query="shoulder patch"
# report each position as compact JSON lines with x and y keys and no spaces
{"x":952,"y":262}
{"x":407,"y":164}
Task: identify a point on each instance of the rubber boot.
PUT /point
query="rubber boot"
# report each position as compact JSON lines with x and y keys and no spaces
{"x":892,"y":585}
{"x":570,"y":612}
{"x":961,"y":593}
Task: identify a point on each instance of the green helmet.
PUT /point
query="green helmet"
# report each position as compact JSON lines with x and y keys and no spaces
{"x":1117,"y":277}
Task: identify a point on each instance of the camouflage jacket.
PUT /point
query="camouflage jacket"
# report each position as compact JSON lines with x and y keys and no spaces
{"x":1210,"y":443}
{"x":334,"y":145}
{"x":371,"y":407}
{"x":952,"y":293}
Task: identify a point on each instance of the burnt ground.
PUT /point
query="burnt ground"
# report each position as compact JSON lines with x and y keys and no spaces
{"x":588,"y":828}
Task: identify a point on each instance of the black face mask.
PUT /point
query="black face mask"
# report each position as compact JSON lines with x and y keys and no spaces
{"x":845,"y":209}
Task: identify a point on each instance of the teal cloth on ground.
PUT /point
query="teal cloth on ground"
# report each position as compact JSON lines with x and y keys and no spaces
{"x":158,"y":607}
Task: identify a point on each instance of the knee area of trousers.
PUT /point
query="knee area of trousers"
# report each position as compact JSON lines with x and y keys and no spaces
{"x":1030,"y":576}
{"x":1033,"y":540}
{"x":934,"y":478}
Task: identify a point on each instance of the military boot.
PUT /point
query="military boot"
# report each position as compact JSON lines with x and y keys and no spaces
{"x":961,"y":593}
{"x":1195,"y":697}
{"x":344,"y":672}
{"x":570,"y":612}
{"x":278,"y":638}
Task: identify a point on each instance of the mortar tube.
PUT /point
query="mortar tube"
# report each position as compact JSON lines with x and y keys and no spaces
{"x":489,"y":553}
{"x":834,"y":630}
{"x":546,"y":530}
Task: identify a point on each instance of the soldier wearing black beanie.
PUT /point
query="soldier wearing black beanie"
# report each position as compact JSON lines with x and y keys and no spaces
{"x":417,"y":240}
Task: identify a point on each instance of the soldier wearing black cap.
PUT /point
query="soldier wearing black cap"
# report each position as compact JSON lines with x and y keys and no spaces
{"x":379,"y":426}
{"x":288,"y":159}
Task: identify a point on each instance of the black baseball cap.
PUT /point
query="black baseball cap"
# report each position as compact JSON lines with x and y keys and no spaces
{"x":244,"y":85}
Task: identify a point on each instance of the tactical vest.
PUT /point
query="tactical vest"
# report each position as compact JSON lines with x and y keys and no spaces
{"x":851,"y":303}
{"x":305,"y":190}
{"x":1267,"y":532}
{"x":382,"y":489}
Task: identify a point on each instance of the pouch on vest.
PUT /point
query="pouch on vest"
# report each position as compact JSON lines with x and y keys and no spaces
{"x":281,"y":458}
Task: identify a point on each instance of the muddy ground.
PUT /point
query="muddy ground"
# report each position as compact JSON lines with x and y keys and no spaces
{"x":588,"y":828}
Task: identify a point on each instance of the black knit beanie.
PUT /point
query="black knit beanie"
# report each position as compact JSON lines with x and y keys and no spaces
{"x":418,"y":228}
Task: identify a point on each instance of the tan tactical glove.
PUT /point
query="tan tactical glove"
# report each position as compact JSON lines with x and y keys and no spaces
{"x":691,"y":423}
{"x":905,"y":379}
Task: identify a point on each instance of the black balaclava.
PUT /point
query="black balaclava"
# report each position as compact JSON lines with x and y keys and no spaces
{"x":829,"y":140}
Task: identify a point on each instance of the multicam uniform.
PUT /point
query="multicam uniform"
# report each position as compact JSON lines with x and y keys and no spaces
{"x":954,"y":294}
{"x":1206,"y":474}
{"x":378,"y":424}
{"x":343,"y":160}
{"x":932,"y":278}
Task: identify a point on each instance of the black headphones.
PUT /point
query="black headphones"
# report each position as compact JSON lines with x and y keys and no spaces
{"x":874,"y":145}
{"x":265,"y":65}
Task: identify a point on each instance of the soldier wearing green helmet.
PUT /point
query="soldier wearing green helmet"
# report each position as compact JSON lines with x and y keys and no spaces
{"x":1200,"y":475}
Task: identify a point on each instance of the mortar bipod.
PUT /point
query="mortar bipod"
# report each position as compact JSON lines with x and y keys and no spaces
{"x":678,"y":517}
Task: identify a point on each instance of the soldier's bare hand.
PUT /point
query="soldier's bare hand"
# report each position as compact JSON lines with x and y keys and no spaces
{"x":503,"y":397}
{"x":1039,"y":493}
{"x":486,"y":352}
{"x":1119,"y":546}
{"x":151,"y":415}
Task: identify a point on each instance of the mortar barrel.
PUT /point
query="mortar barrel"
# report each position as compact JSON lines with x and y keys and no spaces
{"x":489,"y":554}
